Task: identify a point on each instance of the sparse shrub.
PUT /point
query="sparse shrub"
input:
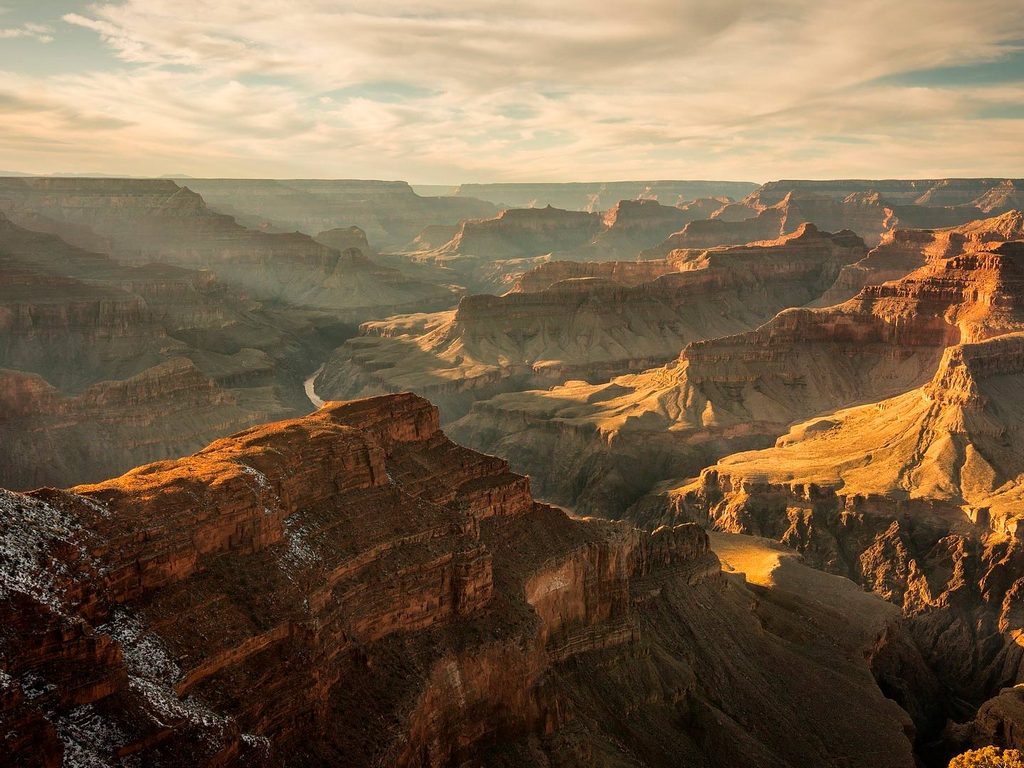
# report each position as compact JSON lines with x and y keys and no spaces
{"x":988,"y":757}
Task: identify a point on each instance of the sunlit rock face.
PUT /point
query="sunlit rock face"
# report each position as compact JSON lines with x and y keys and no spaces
{"x":285,"y":591}
{"x":601,"y":447}
{"x":601,"y":320}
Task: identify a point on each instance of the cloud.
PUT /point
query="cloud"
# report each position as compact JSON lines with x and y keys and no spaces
{"x":39,"y":32}
{"x":452,"y":90}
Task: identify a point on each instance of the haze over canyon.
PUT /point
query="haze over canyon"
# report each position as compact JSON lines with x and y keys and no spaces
{"x":511,"y":385}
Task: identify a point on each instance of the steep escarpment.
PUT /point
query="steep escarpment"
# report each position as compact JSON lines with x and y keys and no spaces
{"x":78,"y":330}
{"x":524,"y":232}
{"x":353,"y":588}
{"x":917,"y":498}
{"x":158,"y":221}
{"x":51,"y":437}
{"x":904,"y":250}
{"x":600,"y":447}
{"x":590,"y":328}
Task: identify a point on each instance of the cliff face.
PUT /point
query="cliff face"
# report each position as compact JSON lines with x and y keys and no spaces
{"x":166,"y":410}
{"x":523,"y":232}
{"x":904,"y":250}
{"x":353,"y":588}
{"x":918,"y":499}
{"x":82,"y":328}
{"x":158,"y":221}
{"x":600,"y":447}
{"x":589,"y":328}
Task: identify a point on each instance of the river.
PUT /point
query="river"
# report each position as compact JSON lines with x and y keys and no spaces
{"x":310,"y":391}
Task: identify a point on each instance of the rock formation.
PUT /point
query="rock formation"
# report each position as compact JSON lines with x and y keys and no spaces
{"x":599,"y":447}
{"x":591,"y":328}
{"x":490,"y":254}
{"x":155,"y":220}
{"x":388,"y":211}
{"x":869,"y":208}
{"x":904,"y":250}
{"x":352,"y":588}
{"x":105,"y":366}
{"x":917,"y":498}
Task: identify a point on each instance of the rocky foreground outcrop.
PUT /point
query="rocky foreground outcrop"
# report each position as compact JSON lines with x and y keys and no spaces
{"x":354,"y":589}
{"x":591,"y":328}
{"x":600,"y":447}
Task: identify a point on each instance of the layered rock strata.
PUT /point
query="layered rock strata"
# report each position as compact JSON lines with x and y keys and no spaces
{"x":590,"y":327}
{"x":352,"y":588}
{"x":600,"y":447}
{"x":917,"y":498}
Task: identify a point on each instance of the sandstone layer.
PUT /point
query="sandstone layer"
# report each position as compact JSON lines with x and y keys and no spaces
{"x":904,"y":250}
{"x":354,"y":589}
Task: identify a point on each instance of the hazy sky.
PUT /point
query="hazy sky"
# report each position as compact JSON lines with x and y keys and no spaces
{"x":446,"y":91}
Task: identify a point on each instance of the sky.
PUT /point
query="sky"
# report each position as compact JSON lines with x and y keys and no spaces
{"x":450,"y":91}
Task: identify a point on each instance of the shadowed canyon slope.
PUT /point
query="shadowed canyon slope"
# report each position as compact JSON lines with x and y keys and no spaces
{"x":621,"y":317}
{"x":388,"y":211}
{"x":352,"y":588}
{"x":104,"y":365}
{"x":146,"y":220}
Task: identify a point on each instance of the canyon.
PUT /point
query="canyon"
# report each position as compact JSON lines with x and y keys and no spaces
{"x":610,"y":443}
{"x":621,"y":316}
{"x":782,"y":423}
{"x":415,"y":592}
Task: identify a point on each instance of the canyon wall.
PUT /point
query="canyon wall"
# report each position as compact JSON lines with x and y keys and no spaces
{"x":585,"y":328}
{"x":353,"y":588}
{"x":600,"y":447}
